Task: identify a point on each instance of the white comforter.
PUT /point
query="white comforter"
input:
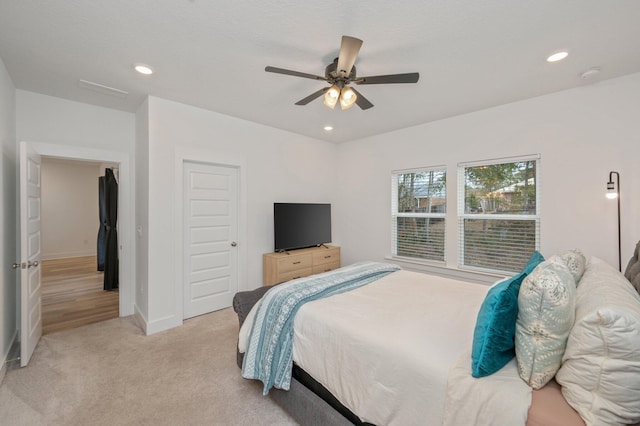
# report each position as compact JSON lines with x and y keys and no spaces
{"x":387,"y":348}
{"x":500,"y":399}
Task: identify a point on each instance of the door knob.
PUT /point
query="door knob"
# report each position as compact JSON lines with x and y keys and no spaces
{"x":233,"y":244}
{"x":33,"y":264}
{"x":15,"y":265}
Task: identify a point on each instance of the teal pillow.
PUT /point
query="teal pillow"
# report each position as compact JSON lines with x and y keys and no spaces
{"x":535,"y":260}
{"x":494,"y":335}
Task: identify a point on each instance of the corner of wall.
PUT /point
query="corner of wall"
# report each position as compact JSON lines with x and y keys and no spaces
{"x":140,"y":319}
{"x":5,"y":358}
{"x":162,"y":324}
{"x":8,"y":189}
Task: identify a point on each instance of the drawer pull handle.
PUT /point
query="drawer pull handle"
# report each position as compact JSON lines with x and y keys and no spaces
{"x":295,"y":263}
{"x":328,"y":257}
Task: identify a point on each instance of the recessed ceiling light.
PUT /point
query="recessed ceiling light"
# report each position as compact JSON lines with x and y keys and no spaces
{"x":591,"y":72}
{"x":328,"y":128}
{"x":558,"y":56}
{"x":143,"y":69}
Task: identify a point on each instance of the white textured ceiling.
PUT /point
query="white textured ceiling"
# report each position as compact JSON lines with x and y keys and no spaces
{"x":211,"y":54}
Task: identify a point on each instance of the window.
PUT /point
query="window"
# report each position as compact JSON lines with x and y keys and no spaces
{"x":498,"y":213}
{"x":418,"y":213}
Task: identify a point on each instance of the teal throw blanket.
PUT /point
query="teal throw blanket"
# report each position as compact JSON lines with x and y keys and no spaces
{"x":270,"y":348}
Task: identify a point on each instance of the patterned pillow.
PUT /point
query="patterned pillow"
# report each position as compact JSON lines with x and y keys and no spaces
{"x":576,"y":262}
{"x":545,"y":315}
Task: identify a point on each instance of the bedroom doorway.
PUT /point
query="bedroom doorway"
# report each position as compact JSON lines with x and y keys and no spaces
{"x":29,"y":291}
{"x":72,"y":277}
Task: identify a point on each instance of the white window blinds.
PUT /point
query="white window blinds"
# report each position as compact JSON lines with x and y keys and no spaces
{"x":498,"y":213}
{"x":418,"y":210}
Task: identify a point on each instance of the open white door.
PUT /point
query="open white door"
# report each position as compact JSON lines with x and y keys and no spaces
{"x":30,"y":277}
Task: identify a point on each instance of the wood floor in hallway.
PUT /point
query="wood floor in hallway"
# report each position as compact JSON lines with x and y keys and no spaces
{"x":73,"y":295}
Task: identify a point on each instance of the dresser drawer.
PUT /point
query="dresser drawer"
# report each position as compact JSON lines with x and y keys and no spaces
{"x":299,"y":273}
{"x":294,"y":262}
{"x":326,"y":256}
{"x":281,"y":267}
{"x":326,"y":267}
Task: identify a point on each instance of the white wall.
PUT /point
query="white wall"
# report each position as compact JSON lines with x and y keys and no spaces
{"x":73,"y":130}
{"x":8,"y":168}
{"x":276,"y":166}
{"x":142,"y":213}
{"x":70,"y":213}
{"x":581,"y":134}
{"x":42,"y":118}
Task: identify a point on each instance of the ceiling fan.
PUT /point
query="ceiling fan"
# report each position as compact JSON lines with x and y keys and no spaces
{"x":340,"y":74}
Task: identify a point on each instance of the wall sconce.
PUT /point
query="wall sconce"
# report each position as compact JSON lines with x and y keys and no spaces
{"x":613,"y":192}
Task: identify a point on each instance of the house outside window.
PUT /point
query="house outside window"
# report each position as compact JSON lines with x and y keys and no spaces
{"x":418,"y":210}
{"x":498,"y":213}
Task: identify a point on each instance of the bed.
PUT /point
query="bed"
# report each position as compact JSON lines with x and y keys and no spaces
{"x":402,"y":349}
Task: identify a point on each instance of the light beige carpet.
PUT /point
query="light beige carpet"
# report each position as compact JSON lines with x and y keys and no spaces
{"x":110,"y":373}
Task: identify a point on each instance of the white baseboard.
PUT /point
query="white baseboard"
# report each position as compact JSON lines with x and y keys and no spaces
{"x":68,"y":255}
{"x":3,"y":370}
{"x":140,"y":318}
{"x":163,"y":324}
{"x":5,"y":356}
{"x":152,"y":327}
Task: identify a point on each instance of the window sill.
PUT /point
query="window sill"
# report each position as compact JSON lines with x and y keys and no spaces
{"x":439,"y":268}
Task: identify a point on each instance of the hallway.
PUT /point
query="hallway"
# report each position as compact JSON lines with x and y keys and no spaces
{"x":73,"y":295}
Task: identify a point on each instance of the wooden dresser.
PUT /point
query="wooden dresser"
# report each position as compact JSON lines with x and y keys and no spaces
{"x":281,"y":267}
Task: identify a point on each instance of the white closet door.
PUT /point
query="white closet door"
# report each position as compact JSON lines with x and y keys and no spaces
{"x":210,"y":237}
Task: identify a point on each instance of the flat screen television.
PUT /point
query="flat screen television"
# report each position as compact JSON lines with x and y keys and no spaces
{"x":301,"y":225}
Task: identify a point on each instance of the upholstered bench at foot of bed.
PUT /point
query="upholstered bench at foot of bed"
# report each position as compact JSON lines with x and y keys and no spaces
{"x":243,"y":301}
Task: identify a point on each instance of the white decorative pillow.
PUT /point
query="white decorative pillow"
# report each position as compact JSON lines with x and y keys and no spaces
{"x":600,"y":374}
{"x":545,"y":315}
{"x":576,"y":262}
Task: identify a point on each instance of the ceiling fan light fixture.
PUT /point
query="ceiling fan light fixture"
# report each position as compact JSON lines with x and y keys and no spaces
{"x":331,"y":97}
{"x":347,"y":98}
{"x":342,"y":72}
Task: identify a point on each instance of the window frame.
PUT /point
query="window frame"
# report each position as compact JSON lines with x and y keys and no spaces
{"x":395,"y":214}
{"x":462,"y":216}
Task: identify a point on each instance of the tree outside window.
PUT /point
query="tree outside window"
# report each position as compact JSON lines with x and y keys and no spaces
{"x":418,"y":211}
{"x":499,"y":222}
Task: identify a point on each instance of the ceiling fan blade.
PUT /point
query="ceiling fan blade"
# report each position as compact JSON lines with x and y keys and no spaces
{"x":294,"y":73}
{"x":348,"y":53}
{"x":361,"y":101}
{"x":312,"y":96}
{"x":411,"y":77}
